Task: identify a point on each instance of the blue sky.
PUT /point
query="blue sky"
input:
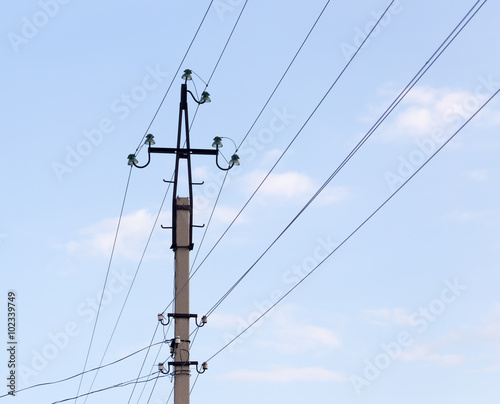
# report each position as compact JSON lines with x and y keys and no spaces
{"x":406,"y":310}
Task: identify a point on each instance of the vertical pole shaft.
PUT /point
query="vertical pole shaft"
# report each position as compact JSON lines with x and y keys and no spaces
{"x":182,"y":372}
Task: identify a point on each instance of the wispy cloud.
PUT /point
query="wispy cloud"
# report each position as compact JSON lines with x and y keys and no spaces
{"x":390,"y":316}
{"x":97,"y":239}
{"x":483,"y":217}
{"x":427,"y":109}
{"x":288,"y":185}
{"x":478,"y":175}
{"x":284,"y":333}
{"x":285,"y":375}
{"x":289,"y":337}
{"x":427,"y":352}
{"x":292,"y":185}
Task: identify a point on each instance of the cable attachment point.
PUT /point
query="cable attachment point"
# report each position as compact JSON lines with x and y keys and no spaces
{"x":204,"y":320}
{"x":235,"y":159}
{"x":161,"y":368}
{"x":204,"y":367}
{"x":174,"y":345}
{"x":161,"y":319}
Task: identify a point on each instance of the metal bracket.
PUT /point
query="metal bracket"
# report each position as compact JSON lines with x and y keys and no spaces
{"x":182,"y":315}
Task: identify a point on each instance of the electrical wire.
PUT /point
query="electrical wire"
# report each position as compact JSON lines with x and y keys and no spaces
{"x":152,"y":367}
{"x":122,"y":384}
{"x":131,"y":285}
{"x":287,"y":148}
{"x":198,"y":373}
{"x":209,"y":221}
{"x":194,"y":384}
{"x":105,"y":280}
{"x":261,"y":111}
{"x":87,"y":371}
{"x":225,"y":176}
{"x":277,"y":162}
{"x":169,"y":396}
{"x":227,"y":42}
{"x":355,"y":230}
{"x":155,"y":361}
{"x":284,"y":74}
{"x":141,"y":143}
{"x":152,"y":390}
{"x":384,"y":116}
{"x":143,"y":363}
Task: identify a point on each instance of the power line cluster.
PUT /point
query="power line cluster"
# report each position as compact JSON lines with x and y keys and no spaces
{"x":154,"y":376}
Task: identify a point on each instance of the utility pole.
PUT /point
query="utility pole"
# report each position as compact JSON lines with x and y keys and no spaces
{"x":182,"y":244}
{"x":181,"y":381}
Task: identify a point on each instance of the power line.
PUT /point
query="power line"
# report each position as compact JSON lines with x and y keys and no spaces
{"x":87,"y":371}
{"x":209,"y":220}
{"x":143,"y":363}
{"x":384,"y":116}
{"x":227,"y":42}
{"x":122,"y":384}
{"x":289,"y":145}
{"x":355,"y":230}
{"x":276,"y":163}
{"x":131,"y":285}
{"x":139,"y":147}
{"x":152,"y":367}
{"x":284,"y":74}
{"x":152,"y":390}
{"x":105,"y":280}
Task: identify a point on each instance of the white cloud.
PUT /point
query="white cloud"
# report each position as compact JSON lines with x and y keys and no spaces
{"x":426,"y":109}
{"x":478,"y":175}
{"x":98,"y":239}
{"x":225,"y":214}
{"x":292,"y":185}
{"x":491,"y":332}
{"x":286,"y":375}
{"x":485,"y":217}
{"x":283,"y":332}
{"x":302,"y":338}
{"x":491,"y":368}
{"x":289,"y":337}
{"x":426,"y":352}
{"x":289,"y":185}
{"x":391,"y":316}
{"x":333,"y":195}
{"x":224,"y":321}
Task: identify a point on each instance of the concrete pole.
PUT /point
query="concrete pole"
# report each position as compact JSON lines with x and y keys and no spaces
{"x":182,"y":373}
